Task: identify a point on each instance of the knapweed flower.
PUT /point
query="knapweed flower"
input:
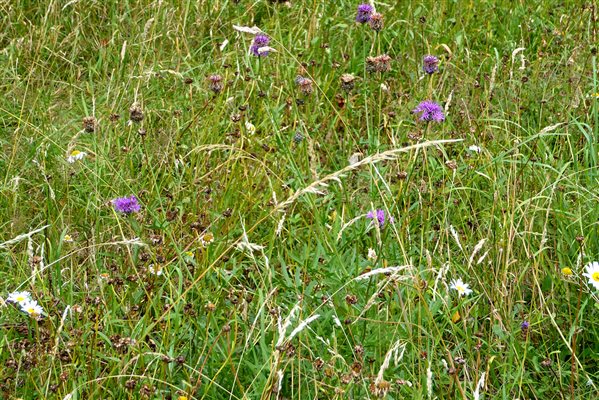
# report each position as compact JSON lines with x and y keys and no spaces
{"x":260,"y":41}
{"x":19,"y":297}
{"x":376,"y":22}
{"x":524,"y":325}
{"x":136,"y":114}
{"x":304,"y":84}
{"x":380,"y":216}
{"x":430,"y":64}
{"x":462,"y":288}
{"x":364,"y":12}
{"x":567,"y":271}
{"x":429,"y":111}
{"x":380,"y":63}
{"x":32,"y":308}
{"x":592,"y":272}
{"x":126,"y":205}
{"x":215,"y":82}
{"x":89,"y":124}
{"x":76,"y":155}
{"x":347,"y":82}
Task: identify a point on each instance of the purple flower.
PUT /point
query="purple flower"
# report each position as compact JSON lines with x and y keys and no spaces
{"x":364,"y":13}
{"x":430,"y":64}
{"x":430,"y":111}
{"x":126,"y":205}
{"x":259,"y":42}
{"x":380,"y":217}
{"x":525,"y":325}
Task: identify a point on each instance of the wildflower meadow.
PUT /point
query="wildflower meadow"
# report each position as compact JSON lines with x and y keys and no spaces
{"x":251,"y":199}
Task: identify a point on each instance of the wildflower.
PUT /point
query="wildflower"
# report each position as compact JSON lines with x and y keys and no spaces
{"x":19,"y":297}
{"x":32,"y":308}
{"x":126,"y":205}
{"x":567,"y":271}
{"x":524,"y":329}
{"x":89,"y":124}
{"x":155,"y":269}
{"x":216,"y":83}
{"x":380,"y":63}
{"x":462,"y":288}
{"x":347,"y":82}
{"x":75,"y":156}
{"x":250,"y":127}
{"x":475,"y":149}
{"x":305,"y":85}
{"x":376,"y":22}
{"x":371,"y":254}
{"x":67,"y":238}
{"x":189,"y":254}
{"x":206,"y":239}
{"x":136,"y":114}
{"x":592,"y":272}
{"x":379,"y":216}
{"x":260,"y":41}
{"x":430,"y":64}
{"x":430,"y":111}
{"x":364,"y":13}
{"x":298,"y":137}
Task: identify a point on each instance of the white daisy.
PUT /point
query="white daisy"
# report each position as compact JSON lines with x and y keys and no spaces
{"x":592,"y":272}
{"x":155,"y":269}
{"x":75,"y":156}
{"x":462,"y":288}
{"x":19,"y":297}
{"x":475,"y":149}
{"x":32,"y":308}
{"x":250,"y":127}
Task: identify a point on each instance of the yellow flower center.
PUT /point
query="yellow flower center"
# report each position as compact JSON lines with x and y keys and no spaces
{"x":20,"y":299}
{"x":567,"y":271}
{"x":31,"y":311}
{"x":75,"y":153}
{"x":595,"y":276}
{"x":460,"y":288}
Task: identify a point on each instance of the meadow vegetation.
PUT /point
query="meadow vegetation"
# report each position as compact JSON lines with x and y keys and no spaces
{"x":250,"y":200}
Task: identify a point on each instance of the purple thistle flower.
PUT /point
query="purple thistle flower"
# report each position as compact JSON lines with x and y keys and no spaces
{"x":364,"y":13}
{"x":430,"y":111}
{"x":430,"y":64}
{"x":259,"y":41}
{"x":126,"y":205}
{"x":379,"y":216}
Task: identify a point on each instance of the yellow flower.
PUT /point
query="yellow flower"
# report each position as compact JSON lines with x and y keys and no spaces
{"x":182,"y":398}
{"x":67,"y":238}
{"x":567,"y":271}
{"x":188,"y":254}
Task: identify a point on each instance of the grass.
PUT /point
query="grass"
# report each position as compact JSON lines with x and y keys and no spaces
{"x":262,"y":237}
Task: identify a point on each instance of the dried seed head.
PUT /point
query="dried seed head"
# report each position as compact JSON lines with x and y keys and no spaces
{"x":304,"y":84}
{"x":90,"y":124}
{"x":136,"y":114}
{"x":376,"y":22}
{"x":347,"y":82}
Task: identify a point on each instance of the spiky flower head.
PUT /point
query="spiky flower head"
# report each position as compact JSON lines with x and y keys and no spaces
{"x":89,"y":124}
{"x":376,"y":22}
{"x":430,"y":64}
{"x":379,"y":216}
{"x":215,"y":83}
{"x":136,"y":114}
{"x":126,"y":205}
{"x":347,"y":82}
{"x":259,"y":42}
{"x":364,"y":12}
{"x":429,"y":111}
{"x":304,"y":84}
